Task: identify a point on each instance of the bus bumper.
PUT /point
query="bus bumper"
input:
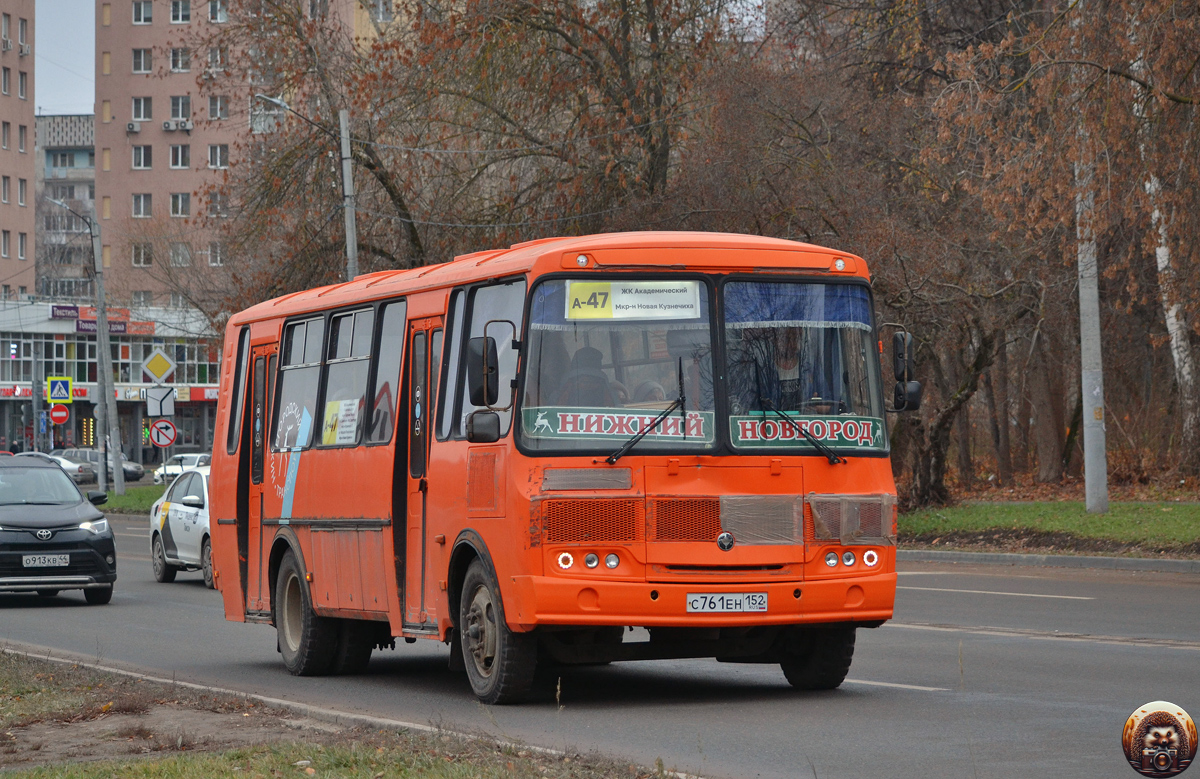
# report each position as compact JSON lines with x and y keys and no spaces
{"x":544,"y":600}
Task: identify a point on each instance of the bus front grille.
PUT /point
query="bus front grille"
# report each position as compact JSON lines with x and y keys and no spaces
{"x":597,"y":520}
{"x":752,"y":519}
{"x":851,"y":519}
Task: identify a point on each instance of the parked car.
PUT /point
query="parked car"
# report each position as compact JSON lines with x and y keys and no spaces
{"x":133,"y":471}
{"x":178,"y":464}
{"x":179,"y":537}
{"x":80,"y":473}
{"x":52,"y":538}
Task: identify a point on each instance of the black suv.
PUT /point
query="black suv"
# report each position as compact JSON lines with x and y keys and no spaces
{"x":51,"y":537}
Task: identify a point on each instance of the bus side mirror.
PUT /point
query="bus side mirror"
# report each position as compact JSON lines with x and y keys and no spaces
{"x":902,"y":361}
{"x":483,"y":374}
{"x":907,"y":396}
{"x":483,"y":427}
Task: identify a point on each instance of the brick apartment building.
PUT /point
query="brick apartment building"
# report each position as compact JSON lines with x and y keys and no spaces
{"x":17,"y":159}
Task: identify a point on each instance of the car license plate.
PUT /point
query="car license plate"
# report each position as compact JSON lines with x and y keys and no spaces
{"x":45,"y":560}
{"x":726,"y":601}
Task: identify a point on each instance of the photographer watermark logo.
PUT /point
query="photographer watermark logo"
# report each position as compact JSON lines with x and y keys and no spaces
{"x":1159,"y":739}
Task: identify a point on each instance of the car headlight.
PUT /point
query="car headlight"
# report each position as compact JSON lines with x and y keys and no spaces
{"x":96,"y":526}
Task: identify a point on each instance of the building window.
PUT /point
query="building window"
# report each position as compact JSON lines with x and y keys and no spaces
{"x":181,"y":60}
{"x":218,"y":155}
{"x":141,"y":205}
{"x":217,"y":58}
{"x":264,"y":117}
{"x":181,"y":156}
{"x":142,"y":298}
{"x":62,"y":159}
{"x":318,"y":9}
{"x":143,"y":109}
{"x":22,"y":30}
{"x":216,"y":254}
{"x":142,"y":60}
{"x":218,"y":11}
{"x":181,"y":11}
{"x":218,"y":107}
{"x":181,"y":204}
{"x":21,"y":292}
{"x":178,"y":300}
{"x":143,"y":11}
{"x":5,"y":132}
{"x":181,"y":254}
{"x":5,"y":237}
{"x":7,"y":288}
{"x":21,"y":138}
{"x":141,"y":157}
{"x":143,"y":255}
{"x":5,"y":80}
{"x":5,"y":183}
{"x":21,"y":186}
{"x":218,"y":204}
{"x":22,"y":83}
{"x":6,"y":26}
{"x":181,"y":107}
{"x":21,"y":249}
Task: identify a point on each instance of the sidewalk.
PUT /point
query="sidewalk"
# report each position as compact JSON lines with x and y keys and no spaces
{"x":1050,"y":560}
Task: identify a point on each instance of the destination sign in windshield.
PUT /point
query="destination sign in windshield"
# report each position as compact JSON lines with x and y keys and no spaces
{"x":633,"y":300}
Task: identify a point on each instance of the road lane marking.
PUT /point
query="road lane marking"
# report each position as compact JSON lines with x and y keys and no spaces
{"x":1044,"y":635}
{"x":134,"y":535}
{"x":992,"y":592}
{"x":898,"y":686}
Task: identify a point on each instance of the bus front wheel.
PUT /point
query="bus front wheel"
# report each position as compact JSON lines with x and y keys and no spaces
{"x":818,"y":658}
{"x":500,"y":663}
{"x":306,"y":641}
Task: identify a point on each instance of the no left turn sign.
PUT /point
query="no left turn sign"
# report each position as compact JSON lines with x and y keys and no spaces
{"x":162,"y":432}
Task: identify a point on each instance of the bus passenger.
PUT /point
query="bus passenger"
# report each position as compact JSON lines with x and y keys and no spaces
{"x":586,"y":384}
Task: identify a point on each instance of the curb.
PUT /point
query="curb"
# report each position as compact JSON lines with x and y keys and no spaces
{"x":1049,"y":561}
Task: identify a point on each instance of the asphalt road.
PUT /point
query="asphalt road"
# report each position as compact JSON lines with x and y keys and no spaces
{"x":986,"y":671}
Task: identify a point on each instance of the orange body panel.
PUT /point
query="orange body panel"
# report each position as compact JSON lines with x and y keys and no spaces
{"x":350,"y":507}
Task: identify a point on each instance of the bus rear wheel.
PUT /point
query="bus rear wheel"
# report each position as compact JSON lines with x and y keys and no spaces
{"x":355,"y":642}
{"x":818,"y":658}
{"x":306,"y":641}
{"x":500,"y":663}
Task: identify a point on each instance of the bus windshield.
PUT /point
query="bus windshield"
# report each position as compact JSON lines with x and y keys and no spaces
{"x":607,"y":357}
{"x":801,"y":355}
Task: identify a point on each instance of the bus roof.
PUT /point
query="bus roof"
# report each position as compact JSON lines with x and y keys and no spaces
{"x":612,"y":251}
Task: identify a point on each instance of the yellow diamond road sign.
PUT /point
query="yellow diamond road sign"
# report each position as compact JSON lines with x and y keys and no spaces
{"x":158,"y":365}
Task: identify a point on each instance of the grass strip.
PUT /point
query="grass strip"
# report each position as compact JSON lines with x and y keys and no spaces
{"x":1162,"y":525}
{"x":136,"y":500}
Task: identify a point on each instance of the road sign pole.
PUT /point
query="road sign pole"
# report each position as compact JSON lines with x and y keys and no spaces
{"x":104,"y":346}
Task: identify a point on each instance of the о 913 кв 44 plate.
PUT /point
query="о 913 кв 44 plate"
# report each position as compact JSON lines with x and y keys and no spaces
{"x":45,"y":560}
{"x":726,"y":601}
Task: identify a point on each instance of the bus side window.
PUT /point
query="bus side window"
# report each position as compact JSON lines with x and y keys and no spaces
{"x":386,"y":392}
{"x":435,"y":357}
{"x":237,"y":399}
{"x":345,"y":389}
{"x":299,"y":371}
{"x":497,"y":302}
{"x":450,"y":383}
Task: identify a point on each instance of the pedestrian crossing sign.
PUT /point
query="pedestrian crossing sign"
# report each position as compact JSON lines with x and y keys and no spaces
{"x":58,"y":389}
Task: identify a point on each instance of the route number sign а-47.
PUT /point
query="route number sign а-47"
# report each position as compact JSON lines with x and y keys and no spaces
{"x":633,"y":300}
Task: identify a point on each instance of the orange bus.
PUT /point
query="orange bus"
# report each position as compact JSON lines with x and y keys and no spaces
{"x":527,"y":452}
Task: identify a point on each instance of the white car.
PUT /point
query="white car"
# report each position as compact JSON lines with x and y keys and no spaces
{"x":80,"y":473}
{"x":178,"y":464}
{"x":179,"y":536}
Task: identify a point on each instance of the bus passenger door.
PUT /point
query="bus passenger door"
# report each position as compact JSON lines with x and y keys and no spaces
{"x":424,"y":339}
{"x":262,"y":369}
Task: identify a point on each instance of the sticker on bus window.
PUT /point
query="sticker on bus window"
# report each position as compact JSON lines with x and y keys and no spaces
{"x":611,"y":424}
{"x":633,"y":300}
{"x":341,"y":422}
{"x":764,"y":430}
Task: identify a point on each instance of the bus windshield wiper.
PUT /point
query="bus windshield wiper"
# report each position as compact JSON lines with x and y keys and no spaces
{"x":812,"y":439}
{"x":658,"y":420}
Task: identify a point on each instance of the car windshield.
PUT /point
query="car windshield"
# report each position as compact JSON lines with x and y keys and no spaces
{"x":36,"y":486}
{"x":607,"y":357}
{"x":803,"y":352}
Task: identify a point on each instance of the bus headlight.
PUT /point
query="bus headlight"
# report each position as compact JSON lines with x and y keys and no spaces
{"x":831,"y":559}
{"x":591,"y":561}
{"x":612,"y":561}
{"x":565,"y":560}
{"x":871,"y":558}
{"x":848,"y":558}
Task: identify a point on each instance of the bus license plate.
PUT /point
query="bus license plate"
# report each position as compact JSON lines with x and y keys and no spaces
{"x":726,"y":601}
{"x":45,"y":560}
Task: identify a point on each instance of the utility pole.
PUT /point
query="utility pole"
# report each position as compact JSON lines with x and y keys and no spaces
{"x":1095,"y":458}
{"x":348,"y":198}
{"x":105,"y":377}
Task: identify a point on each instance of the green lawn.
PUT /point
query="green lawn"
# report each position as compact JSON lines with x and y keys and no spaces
{"x":1151,"y":524}
{"x":136,"y":500}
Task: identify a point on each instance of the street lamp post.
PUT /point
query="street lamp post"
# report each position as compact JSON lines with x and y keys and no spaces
{"x":347,"y":178}
{"x":110,"y":423}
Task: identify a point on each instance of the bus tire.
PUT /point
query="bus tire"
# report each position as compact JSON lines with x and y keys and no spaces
{"x":818,"y":658}
{"x":355,"y":642}
{"x":500,"y":663}
{"x":164,"y":572}
{"x":306,"y":641}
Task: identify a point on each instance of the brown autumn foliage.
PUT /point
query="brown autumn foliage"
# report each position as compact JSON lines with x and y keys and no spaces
{"x":941,"y":142}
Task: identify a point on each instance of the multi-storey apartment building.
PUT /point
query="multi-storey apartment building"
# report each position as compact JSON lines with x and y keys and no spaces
{"x":66,"y":172}
{"x":17,"y":161}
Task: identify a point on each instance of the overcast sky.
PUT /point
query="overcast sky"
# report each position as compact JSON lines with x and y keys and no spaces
{"x":65,"y":56}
